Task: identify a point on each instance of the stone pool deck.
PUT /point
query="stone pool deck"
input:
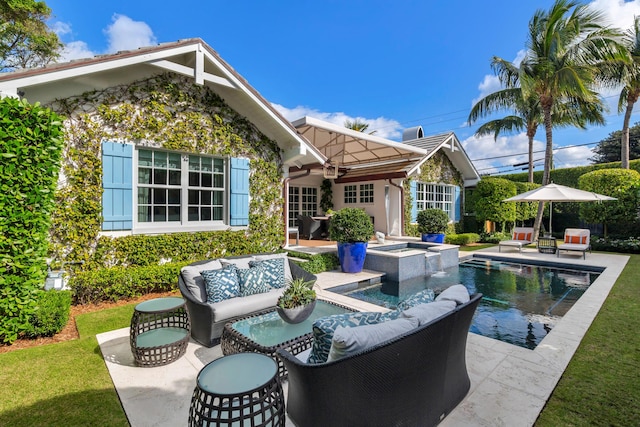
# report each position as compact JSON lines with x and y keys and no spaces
{"x":509,"y":384}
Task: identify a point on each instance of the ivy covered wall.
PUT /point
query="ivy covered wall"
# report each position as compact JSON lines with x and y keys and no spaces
{"x":167,"y":111}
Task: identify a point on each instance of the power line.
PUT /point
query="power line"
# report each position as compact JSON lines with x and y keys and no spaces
{"x":536,"y":151}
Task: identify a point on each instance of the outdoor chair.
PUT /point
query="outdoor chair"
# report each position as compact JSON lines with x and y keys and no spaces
{"x":309,"y":227}
{"x":522,"y":236}
{"x":576,"y":239}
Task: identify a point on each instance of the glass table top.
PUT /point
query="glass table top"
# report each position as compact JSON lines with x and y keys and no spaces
{"x":269,"y":329}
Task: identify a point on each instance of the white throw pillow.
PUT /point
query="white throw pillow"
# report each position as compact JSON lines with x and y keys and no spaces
{"x":457,"y":293}
{"x":351,"y":340}
{"x":425,"y":313}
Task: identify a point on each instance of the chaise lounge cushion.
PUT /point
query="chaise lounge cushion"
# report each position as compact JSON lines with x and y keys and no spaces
{"x":194,"y":280}
{"x":456,"y":293}
{"x":425,"y":313}
{"x":221,"y":284}
{"x":347,"y":341}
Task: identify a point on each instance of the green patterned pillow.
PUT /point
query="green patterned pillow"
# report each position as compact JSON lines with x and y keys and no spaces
{"x":221,"y":284}
{"x":324,"y":328}
{"x":252,"y":281}
{"x":273,"y":271}
{"x":422,"y":297}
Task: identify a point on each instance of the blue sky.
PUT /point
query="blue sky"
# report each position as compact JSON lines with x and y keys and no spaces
{"x":392,"y":64}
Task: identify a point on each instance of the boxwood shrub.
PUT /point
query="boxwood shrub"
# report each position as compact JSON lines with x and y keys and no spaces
{"x":51,"y":313}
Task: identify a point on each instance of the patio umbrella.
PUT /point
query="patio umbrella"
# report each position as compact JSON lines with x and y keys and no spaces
{"x":557,"y":193}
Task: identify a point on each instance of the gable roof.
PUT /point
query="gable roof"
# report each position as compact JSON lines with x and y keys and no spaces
{"x":190,"y":57}
{"x":449,"y":143}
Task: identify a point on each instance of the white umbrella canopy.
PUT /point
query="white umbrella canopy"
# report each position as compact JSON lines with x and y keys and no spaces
{"x":558,"y":193}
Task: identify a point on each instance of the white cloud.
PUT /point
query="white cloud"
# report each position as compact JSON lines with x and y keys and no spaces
{"x":61,"y":28}
{"x":76,"y":50}
{"x":491,"y":156}
{"x":385,"y":128}
{"x":618,"y":13}
{"x":571,"y":157}
{"x":124,"y":34}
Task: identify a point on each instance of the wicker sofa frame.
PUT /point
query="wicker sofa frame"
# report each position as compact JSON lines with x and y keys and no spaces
{"x":205,"y":328}
{"x":416,"y":379}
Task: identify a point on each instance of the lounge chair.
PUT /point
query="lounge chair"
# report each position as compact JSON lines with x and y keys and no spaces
{"x":576,"y":239}
{"x":522,"y":236}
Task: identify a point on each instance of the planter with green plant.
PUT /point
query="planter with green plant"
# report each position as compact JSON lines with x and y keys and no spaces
{"x":352,"y":229}
{"x":432,"y":223}
{"x":298,"y":301}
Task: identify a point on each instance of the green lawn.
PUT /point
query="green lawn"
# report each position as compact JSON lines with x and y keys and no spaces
{"x":67,"y":384}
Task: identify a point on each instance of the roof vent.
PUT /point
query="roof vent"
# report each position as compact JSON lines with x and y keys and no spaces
{"x":412,"y":133}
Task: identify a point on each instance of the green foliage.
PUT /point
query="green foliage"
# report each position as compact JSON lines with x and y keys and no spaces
{"x":526,"y":210}
{"x":494,"y":237}
{"x":297,"y":293}
{"x":623,"y":184}
{"x":350,"y":225}
{"x":462,"y":239}
{"x":440,"y":169}
{"x":51,"y":314}
{"x":25,"y":39}
{"x":170,"y":112}
{"x":316,"y":263}
{"x":113,"y":284}
{"x":326,"y":195}
{"x":410,"y":229}
{"x":432,"y":221}
{"x":608,"y":149}
{"x":489,"y":196}
{"x":30,"y":149}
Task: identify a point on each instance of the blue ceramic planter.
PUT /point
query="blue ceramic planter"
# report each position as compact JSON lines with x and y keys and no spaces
{"x":433,"y":238}
{"x":351,"y":256}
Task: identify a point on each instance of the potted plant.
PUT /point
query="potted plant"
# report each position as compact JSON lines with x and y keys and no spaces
{"x":432,"y":223}
{"x":297,"y":302}
{"x":352,"y":229}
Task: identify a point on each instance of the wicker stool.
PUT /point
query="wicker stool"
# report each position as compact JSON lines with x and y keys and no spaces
{"x":159,"y":331}
{"x":238,"y":390}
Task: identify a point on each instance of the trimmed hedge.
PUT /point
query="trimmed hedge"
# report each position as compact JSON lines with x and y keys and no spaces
{"x":30,"y":153}
{"x":462,"y":239}
{"x":316,"y":263}
{"x":51,"y":314}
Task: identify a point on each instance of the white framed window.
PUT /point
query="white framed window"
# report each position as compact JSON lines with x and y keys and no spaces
{"x":366,"y":193}
{"x":438,"y":196}
{"x":302,"y":201}
{"x":350,"y":194}
{"x":177,"y":191}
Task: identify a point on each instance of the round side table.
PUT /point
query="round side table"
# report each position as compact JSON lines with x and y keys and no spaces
{"x":159,"y":331}
{"x":238,"y":390}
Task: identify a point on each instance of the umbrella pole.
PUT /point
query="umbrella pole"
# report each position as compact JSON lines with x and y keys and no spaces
{"x":550,"y":216}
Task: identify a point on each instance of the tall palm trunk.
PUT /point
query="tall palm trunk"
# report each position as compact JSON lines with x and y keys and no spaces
{"x":624,"y":152}
{"x":530,"y":136}
{"x":548,"y":159}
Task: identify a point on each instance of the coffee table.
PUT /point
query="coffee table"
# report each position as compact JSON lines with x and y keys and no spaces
{"x":266,"y":333}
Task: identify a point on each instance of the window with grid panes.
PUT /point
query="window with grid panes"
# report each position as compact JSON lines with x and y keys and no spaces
{"x":302,"y":201}
{"x":177,"y":191}
{"x":350,"y":194}
{"x":438,"y":196}
{"x":366,"y":193}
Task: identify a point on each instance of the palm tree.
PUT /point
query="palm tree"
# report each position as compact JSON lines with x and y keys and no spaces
{"x":630,"y":77}
{"x":358,"y":125}
{"x":566,"y":47}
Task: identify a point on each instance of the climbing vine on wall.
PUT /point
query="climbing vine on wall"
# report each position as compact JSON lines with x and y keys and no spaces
{"x":166,"y":111}
{"x":439,"y":169}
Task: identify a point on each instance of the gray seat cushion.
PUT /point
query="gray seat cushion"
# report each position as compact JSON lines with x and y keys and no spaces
{"x":194,"y":281}
{"x":240,"y":306}
{"x":425,"y":313}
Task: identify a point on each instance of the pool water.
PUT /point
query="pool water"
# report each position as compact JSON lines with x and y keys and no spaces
{"x":521,"y":303}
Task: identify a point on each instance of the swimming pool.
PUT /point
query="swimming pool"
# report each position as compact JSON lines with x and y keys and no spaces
{"x":521,"y":302}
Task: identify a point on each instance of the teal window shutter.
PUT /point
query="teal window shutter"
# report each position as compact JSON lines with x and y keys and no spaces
{"x":414,"y":197}
{"x":117,"y":186}
{"x":457,"y":203}
{"x":239,"y":192}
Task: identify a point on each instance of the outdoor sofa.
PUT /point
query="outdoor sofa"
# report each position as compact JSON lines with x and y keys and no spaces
{"x":413,"y":379}
{"x":208,"y":319}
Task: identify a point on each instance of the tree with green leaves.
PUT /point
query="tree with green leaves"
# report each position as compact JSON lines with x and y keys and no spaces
{"x":630,"y":78}
{"x":567,"y":48}
{"x":358,"y":125}
{"x":25,"y":39}
{"x":608,"y":150}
